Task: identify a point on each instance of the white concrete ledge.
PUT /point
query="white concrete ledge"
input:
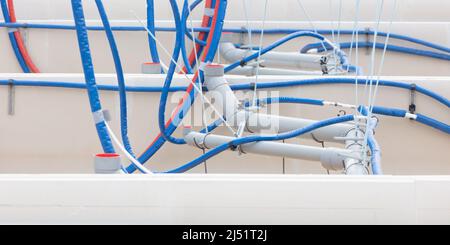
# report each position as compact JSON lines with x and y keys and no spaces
{"x":223,"y":199}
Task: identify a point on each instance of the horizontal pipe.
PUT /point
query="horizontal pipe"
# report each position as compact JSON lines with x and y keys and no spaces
{"x":251,"y":71}
{"x":268,"y":148}
{"x":291,"y":59}
{"x":279,"y":124}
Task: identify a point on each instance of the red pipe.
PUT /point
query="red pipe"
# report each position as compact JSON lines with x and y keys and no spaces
{"x":20,"y":43}
{"x":201,"y":36}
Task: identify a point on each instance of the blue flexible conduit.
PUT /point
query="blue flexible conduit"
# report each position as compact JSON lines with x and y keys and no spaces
{"x":169,"y":77}
{"x":186,"y":16}
{"x":375,"y":158}
{"x":182,"y":40}
{"x":389,"y":47}
{"x":172,"y":127}
{"x":281,"y":100}
{"x":120,"y":77}
{"x":233,"y":30}
{"x":12,"y":38}
{"x":151,"y":27}
{"x":433,"y":123}
{"x":373,"y":146}
{"x":343,"y":80}
{"x":89,"y":74}
{"x":394,"y":112}
{"x":186,"y":106}
{"x":244,"y":86}
{"x":81,"y":29}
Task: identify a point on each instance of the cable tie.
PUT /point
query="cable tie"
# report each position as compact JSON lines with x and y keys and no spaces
{"x":232,"y":146}
{"x":410,"y":116}
{"x":101,"y":116}
{"x":12,"y":29}
{"x":209,"y":12}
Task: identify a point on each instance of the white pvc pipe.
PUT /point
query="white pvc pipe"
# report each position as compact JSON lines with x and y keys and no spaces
{"x":220,"y":91}
{"x":272,"y":58}
{"x":268,"y":148}
{"x":258,"y":122}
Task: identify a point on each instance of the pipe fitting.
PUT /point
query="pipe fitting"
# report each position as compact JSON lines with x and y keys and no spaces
{"x":107,"y":163}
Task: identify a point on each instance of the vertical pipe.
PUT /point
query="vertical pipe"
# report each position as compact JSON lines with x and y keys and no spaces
{"x":89,"y":75}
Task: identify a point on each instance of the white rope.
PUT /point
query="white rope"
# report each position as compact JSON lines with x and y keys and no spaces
{"x":330,"y":9}
{"x":339,"y":25}
{"x":380,"y":68}
{"x":308,"y":18}
{"x":249,"y":30}
{"x":355,"y":29}
{"x":370,"y":77}
{"x":261,"y":39}
{"x":372,"y":60}
{"x":194,"y":43}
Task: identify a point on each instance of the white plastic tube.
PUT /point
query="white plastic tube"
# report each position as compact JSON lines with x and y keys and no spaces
{"x":251,"y":71}
{"x":273,"y":58}
{"x":224,"y":98}
{"x":258,"y":122}
{"x":325,"y":155}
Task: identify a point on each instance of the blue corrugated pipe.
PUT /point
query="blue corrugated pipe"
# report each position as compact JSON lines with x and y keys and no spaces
{"x":173,"y":65}
{"x":394,"y":112}
{"x":120,"y":77}
{"x":244,"y":86}
{"x":184,"y":110}
{"x":89,"y":74}
{"x":151,"y":27}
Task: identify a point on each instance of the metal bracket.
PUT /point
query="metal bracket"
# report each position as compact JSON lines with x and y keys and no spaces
{"x":11,"y":97}
{"x":412,"y":105}
{"x":367,"y":30}
{"x":323,"y":65}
